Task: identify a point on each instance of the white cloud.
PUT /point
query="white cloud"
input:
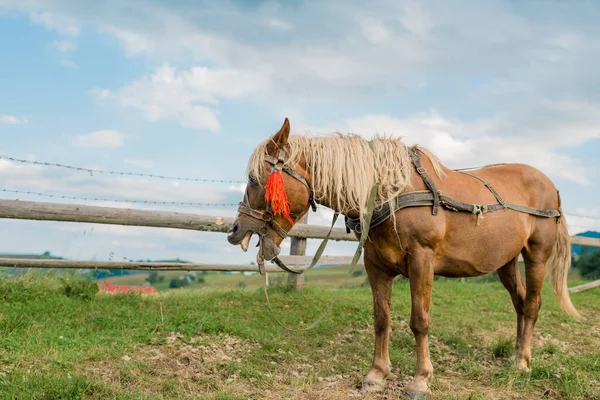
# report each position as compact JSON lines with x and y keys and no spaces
{"x":12,"y":120}
{"x":63,"y":46}
{"x":99,"y":139}
{"x":279,"y":24}
{"x":139,"y":163}
{"x":100,"y":94}
{"x":538,"y":141}
{"x":416,"y":20}
{"x":239,"y":188}
{"x":133,"y":43}
{"x":188,"y":96}
{"x":64,"y":26}
{"x":375,"y":31}
{"x":68,"y":64}
{"x":10,"y":170}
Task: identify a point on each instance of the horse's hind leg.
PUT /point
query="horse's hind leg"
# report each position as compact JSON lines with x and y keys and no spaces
{"x":535,"y":256}
{"x":381,"y":286}
{"x":510,"y":276}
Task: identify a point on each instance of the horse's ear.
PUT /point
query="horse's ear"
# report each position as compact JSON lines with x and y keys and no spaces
{"x":280,"y":139}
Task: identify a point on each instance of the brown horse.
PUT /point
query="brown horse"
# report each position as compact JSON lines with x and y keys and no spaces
{"x":514,"y":209}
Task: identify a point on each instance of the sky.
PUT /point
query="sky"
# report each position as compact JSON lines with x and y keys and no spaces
{"x":188,"y":88}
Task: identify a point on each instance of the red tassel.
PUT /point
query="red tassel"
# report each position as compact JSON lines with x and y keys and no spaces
{"x":277,"y":196}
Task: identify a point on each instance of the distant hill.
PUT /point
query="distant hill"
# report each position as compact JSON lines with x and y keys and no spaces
{"x":44,"y":256}
{"x":577,"y":250}
{"x":96,"y":274}
{"x":105,"y":273}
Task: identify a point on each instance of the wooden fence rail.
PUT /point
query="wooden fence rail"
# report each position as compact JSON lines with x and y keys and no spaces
{"x":151,"y":266}
{"x":41,"y":211}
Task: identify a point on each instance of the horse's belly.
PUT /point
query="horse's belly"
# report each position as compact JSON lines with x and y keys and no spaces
{"x":479,"y":250}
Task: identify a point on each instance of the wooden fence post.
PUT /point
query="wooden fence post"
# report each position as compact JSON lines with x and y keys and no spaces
{"x":297,"y":248}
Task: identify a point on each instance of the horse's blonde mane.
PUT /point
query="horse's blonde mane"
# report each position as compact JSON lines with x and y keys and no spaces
{"x":343,"y":168}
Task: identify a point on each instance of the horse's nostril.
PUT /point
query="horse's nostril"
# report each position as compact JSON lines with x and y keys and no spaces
{"x":231,"y":234}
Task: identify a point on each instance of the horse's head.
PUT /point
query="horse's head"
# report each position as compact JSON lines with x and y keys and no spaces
{"x":278,"y":194}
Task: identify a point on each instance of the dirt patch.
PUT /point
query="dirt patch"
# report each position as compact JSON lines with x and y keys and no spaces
{"x":197,"y":357}
{"x":205,"y":365}
{"x":186,"y":366}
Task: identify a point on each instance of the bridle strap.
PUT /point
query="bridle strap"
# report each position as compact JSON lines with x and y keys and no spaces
{"x":293,"y":173}
{"x":266,"y":217}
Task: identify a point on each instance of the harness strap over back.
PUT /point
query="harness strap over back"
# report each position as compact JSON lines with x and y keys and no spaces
{"x":416,"y":159}
{"x":434,"y":198}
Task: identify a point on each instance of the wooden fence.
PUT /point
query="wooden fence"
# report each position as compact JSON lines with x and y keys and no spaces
{"x":40,"y":211}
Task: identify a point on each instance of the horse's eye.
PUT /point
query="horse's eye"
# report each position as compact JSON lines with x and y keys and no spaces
{"x":252,"y":180}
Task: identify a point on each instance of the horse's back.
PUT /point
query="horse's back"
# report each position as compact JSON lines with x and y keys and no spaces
{"x":519,"y":184}
{"x":475,"y":246}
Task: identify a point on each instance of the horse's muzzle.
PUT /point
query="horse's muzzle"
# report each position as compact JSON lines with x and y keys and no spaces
{"x":240,"y":234}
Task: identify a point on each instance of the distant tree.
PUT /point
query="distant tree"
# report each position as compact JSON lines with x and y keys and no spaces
{"x":180,"y":281}
{"x":154,"y":277}
{"x":589,"y":265}
{"x":176,"y":283}
{"x":46,"y":253}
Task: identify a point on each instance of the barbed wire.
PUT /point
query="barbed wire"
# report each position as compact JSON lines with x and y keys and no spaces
{"x":92,"y":171}
{"x":91,"y":198}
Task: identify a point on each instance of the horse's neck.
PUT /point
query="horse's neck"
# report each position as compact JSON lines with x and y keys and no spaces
{"x":330,"y":200}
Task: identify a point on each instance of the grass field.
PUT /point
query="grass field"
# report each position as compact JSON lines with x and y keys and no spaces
{"x":224,"y":343}
{"x":323,"y":277}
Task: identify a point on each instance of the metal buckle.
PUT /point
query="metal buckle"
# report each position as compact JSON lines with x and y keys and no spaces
{"x":267,"y":216}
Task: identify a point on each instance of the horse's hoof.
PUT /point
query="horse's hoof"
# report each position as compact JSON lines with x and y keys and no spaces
{"x":372,"y":384}
{"x":417,"y":389}
{"x":416,"y":395}
{"x":523,"y":366}
{"x":372,"y":387}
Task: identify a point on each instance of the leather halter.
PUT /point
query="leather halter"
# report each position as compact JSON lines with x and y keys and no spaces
{"x":267,"y":216}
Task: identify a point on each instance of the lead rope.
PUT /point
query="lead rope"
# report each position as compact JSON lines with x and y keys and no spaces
{"x":357,"y":253}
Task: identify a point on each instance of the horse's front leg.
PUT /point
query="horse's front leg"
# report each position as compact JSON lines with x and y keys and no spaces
{"x":381,"y":286}
{"x":420,"y":275}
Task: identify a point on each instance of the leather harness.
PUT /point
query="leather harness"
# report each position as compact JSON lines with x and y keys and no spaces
{"x":434,"y":198}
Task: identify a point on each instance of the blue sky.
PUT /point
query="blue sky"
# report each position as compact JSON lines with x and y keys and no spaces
{"x":187,"y":88}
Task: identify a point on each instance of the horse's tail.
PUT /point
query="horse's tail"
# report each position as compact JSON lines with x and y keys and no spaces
{"x":558,"y":268}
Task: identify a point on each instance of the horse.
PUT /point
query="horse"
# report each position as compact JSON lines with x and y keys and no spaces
{"x":427,"y":220}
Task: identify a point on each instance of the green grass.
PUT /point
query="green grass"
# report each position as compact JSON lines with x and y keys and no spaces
{"x":220,"y":343}
{"x":324,"y":277}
